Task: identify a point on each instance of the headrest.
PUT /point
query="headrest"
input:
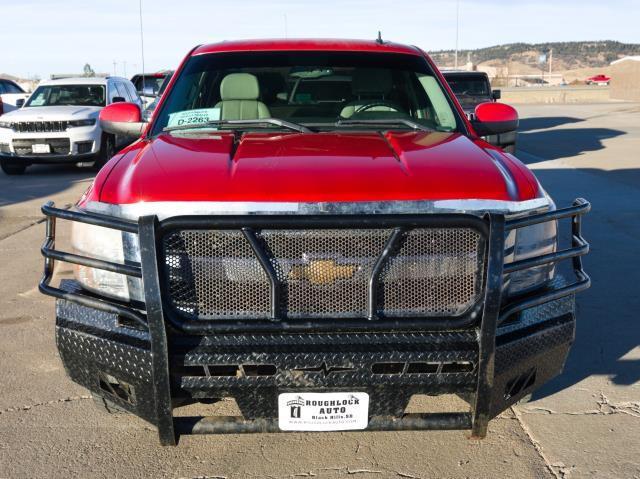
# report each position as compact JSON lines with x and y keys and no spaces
{"x":371,"y":81}
{"x":239,"y":86}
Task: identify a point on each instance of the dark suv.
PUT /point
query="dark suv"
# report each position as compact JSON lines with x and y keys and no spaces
{"x":473,"y":88}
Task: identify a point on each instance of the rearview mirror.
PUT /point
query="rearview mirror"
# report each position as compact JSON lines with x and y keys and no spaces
{"x":494,"y":118}
{"x":122,"y":119}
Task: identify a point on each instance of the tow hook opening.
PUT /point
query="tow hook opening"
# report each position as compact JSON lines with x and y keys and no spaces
{"x":116,"y":388}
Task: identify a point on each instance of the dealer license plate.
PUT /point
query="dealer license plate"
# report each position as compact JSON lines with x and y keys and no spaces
{"x":41,"y":148}
{"x":323,"y":411}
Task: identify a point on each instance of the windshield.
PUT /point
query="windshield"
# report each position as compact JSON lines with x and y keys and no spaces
{"x":469,"y":85}
{"x":315,"y":89}
{"x":64,"y":95}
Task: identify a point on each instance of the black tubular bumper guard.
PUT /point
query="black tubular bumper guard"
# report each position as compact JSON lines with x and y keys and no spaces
{"x":146,"y":359}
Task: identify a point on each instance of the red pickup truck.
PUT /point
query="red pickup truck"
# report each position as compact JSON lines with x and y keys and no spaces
{"x":315,"y":229}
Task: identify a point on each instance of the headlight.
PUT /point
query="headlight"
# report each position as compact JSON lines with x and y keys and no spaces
{"x":527,"y":242}
{"x":108,"y":245}
{"x":6,"y":124}
{"x":86,"y":122}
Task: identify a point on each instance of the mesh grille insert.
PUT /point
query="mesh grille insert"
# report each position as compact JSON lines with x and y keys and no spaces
{"x":322,"y":273}
{"x":436,"y":272}
{"x":214,"y":274}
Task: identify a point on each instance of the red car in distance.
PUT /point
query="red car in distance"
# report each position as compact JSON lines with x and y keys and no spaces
{"x":598,"y":80}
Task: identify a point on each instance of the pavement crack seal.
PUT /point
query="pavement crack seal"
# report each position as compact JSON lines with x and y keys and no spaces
{"x":536,"y":445}
{"x":47,"y":403}
{"x":605,"y":408}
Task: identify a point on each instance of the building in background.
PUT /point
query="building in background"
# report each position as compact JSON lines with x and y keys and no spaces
{"x":625,"y":79}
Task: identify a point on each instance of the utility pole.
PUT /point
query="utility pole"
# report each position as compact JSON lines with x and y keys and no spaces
{"x":142,"y":46}
{"x":550,"y":61}
{"x":457,"y":31}
{"x":114,"y":68}
{"x":124,"y":64}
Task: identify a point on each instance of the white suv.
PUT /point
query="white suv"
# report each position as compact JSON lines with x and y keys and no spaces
{"x":59,"y":124}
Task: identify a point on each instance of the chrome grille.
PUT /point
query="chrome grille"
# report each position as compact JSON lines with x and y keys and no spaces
{"x":40,"y":126}
{"x":323,"y":273}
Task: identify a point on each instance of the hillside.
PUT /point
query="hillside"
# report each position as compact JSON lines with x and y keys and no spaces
{"x":566,"y":55}
{"x":10,"y":77}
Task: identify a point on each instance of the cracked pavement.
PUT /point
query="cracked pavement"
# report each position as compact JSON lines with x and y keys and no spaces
{"x":584,"y":423}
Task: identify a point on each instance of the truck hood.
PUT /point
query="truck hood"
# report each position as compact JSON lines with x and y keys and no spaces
{"x":314,"y":167}
{"x":52,"y":113}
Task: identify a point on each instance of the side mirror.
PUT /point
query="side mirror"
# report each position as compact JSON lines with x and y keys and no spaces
{"x":19,"y":102}
{"x":494,"y":118}
{"x":496,"y":94}
{"x":148,"y":91}
{"x":122,"y":119}
{"x":118,"y":99}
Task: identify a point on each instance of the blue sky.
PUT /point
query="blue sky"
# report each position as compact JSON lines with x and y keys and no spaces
{"x":40,"y":37}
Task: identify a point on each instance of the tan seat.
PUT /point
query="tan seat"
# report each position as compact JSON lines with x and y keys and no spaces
{"x":368,"y":86}
{"x":239,"y":93}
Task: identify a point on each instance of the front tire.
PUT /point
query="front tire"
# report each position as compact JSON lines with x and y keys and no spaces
{"x":107,"y":150}
{"x":11,"y":168}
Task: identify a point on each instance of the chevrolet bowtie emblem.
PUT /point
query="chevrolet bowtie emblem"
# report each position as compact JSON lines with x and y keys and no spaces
{"x":322,"y":271}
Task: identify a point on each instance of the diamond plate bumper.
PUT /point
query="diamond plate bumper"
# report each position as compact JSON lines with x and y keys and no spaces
{"x":93,"y":345}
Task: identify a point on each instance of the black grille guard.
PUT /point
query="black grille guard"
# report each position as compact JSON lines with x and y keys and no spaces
{"x":149,"y":234}
{"x":153,"y":317}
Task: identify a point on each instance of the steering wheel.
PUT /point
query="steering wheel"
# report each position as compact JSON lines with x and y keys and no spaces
{"x":376,"y":103}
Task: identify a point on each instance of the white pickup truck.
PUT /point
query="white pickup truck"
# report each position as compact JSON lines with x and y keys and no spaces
{"x":11,"y":96}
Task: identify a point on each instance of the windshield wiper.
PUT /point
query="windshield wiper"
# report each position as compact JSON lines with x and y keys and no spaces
{"x":392,"y":121}
{"x":261,"y":121}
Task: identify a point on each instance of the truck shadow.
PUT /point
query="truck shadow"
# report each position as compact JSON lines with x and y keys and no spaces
{"x":545,"y":122}
{"x":564,"y":142}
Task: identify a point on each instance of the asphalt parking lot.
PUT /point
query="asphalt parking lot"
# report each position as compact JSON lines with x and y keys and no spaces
{"x":585,"y":423}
